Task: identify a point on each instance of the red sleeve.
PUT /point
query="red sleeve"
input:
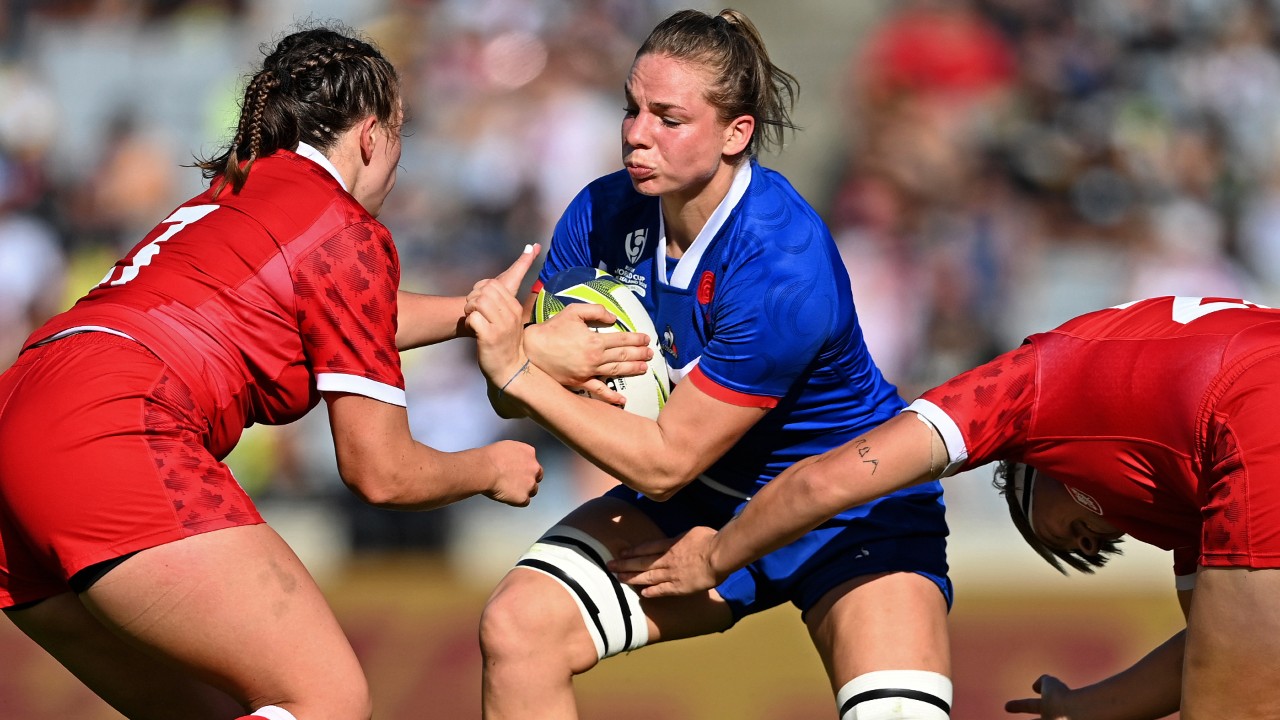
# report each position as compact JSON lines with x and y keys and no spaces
{"x":346,"y":289}
{"x":989,"y":408}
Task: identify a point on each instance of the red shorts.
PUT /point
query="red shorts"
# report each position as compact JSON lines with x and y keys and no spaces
{"x":1241,"y":497}
{"x":102,"y":454}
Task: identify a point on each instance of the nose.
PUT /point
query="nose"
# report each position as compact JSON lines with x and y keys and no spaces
{"x":634,"y":132}
{"x":1087,"y":544}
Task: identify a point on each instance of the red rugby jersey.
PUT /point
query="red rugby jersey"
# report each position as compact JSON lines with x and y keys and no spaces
{"x":260,"y":300}
{"x":1117,"y":405}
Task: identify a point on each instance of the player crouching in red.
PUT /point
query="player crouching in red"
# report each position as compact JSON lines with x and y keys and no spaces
{"x":127,"y":549}
{"x":1154,"y":419}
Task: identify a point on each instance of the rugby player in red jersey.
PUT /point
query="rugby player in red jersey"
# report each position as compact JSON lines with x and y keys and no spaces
{"x":127,"y":549}
{"x":1155,"y":419}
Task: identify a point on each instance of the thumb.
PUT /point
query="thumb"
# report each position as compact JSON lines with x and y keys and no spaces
{"x":513,"y":277}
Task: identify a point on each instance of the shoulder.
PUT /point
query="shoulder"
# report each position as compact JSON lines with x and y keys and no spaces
{"x":297,"y":201}
{"x":774,"y":209}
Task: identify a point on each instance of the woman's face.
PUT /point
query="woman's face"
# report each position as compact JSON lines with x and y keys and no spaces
{"x":673,"y":142}
{"x":1063,"y":523}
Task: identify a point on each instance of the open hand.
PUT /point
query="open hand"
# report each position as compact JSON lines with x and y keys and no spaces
{"x":568,"y":348}
{"x":670,"y":567}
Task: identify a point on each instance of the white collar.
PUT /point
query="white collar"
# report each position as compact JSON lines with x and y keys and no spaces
{"x":318,"y":157}
{"x":692,"y":257}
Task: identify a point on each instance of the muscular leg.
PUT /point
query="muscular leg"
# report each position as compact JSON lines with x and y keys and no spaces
{"x":1232,"y":664}
{"x":535,"y":639}
{"x":234,"y":608}
{"x":127,"y":678}
{"x":895,"y":621}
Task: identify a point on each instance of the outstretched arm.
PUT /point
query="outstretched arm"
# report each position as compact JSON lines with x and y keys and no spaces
{"x":383,"y":465}
{"x":429,"y":319}
{"x":902,"y":452}
{"x":1151,"y":689}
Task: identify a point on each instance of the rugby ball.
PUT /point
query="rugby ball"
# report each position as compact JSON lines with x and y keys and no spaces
{"x":646,"y":394}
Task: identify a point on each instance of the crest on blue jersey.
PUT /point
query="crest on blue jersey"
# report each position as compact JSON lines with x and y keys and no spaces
{"x":635,"y":244}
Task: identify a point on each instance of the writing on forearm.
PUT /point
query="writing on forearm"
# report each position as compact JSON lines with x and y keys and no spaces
{"x":864,"y":451}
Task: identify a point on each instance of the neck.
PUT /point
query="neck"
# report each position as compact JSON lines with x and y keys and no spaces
{"x":685,"y":214}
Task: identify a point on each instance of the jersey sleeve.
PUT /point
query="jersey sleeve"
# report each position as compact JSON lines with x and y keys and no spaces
{"x":569,"y":240}
{"x":770,"y":322}
{"x":346,"y":289}
{"x":983,"y":414}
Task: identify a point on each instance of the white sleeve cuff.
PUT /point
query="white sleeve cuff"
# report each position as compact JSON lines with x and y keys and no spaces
{"x":336,"y":382}
{"x":947,"y":428}
{"x":1184,"y":582}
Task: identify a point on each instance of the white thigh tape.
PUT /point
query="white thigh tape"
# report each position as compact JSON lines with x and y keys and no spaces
{"x":610,"y":607}
{"x":896,"y":695}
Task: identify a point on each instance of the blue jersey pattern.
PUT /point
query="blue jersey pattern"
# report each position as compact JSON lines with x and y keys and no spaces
{"x":763,"y":307}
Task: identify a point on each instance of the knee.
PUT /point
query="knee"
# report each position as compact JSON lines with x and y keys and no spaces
{"x":519,"y":620}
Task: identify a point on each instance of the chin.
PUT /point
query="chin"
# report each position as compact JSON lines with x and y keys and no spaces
{"x":646,"y":187}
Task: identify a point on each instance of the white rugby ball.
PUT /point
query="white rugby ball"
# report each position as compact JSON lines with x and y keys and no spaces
{"x":646,"y":394}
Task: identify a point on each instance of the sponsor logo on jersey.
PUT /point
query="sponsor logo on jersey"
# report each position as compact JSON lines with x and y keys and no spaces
{"x":634,"y":244}
{"x":1086,"y":500}
{"x":669,"y":344}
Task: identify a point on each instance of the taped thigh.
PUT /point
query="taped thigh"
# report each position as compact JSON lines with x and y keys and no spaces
{"x":609,"y":607}
{"x":896,"y":695}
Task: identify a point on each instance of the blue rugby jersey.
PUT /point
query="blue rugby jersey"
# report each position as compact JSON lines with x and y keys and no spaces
{"x":759,"y":312}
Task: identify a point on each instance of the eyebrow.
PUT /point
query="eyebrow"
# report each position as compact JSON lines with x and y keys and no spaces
{"x":660,"y":106}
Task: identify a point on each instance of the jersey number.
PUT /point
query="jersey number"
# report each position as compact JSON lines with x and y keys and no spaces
{"x":181,"y":218}
{"x":1186,"y":309}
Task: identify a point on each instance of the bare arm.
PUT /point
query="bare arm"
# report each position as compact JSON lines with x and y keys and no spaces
{"x":900,"y":453}
{"x":381,"y":463}
{"x":428,"y":319}
{"x":655,"y":458}
{"x":1151,"y":688}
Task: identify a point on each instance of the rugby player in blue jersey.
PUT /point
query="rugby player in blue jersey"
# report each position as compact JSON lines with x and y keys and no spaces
{"x":757,"y":325}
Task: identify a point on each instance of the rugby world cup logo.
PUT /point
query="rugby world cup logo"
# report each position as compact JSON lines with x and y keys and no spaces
{"x":635,"y":244}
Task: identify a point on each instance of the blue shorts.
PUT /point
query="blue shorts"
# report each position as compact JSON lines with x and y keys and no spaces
{"x":903,"y":532}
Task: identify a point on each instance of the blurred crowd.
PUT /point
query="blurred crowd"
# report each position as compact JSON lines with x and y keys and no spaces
{"x":1005,"y":164}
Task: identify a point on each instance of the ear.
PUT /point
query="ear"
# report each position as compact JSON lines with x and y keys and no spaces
{"x":367,"y":129}
{"x":737,"y":134}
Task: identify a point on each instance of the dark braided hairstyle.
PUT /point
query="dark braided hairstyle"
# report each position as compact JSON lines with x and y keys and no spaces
{"x":315,"y":85}
{"x":747,"y":82}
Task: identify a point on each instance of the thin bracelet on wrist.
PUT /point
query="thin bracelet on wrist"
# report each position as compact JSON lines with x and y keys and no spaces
{"x":523,"y":368}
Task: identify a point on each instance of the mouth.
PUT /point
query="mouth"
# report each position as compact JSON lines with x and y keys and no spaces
{"x":639,"y":172}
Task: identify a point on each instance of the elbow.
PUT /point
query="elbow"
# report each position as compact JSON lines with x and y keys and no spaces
{"x":661,"y":488}
{"x":374,"y":485}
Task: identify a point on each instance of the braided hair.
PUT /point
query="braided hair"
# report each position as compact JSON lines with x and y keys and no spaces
{"x":316,"y":84}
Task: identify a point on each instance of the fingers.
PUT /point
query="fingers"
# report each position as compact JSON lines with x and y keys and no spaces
{"x":1025,"y":705}
{"x":513,"y":277}
{"x":590,"y":314}
{"x":600,"y":390}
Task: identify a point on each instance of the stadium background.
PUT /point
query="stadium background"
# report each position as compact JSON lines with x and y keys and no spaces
{"x":990,"y":168}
